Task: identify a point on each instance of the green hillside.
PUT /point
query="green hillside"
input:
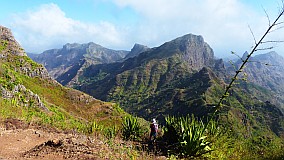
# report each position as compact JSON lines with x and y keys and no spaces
{"x":179,"y":78}
{"x":29,"y":94}
{"x":162,"y":82}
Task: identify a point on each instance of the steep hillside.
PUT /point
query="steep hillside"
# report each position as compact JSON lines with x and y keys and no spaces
{"x":172,"y":69}
{"x":182,"y":77}
{"x":30,"y":94}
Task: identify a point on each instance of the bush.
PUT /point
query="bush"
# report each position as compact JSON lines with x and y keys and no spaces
{"x":188,"y":136}
{"x":131,"y":128}
{"x":110,"y":132}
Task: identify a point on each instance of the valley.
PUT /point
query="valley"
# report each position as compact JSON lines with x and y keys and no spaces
{"x":85,"y":92}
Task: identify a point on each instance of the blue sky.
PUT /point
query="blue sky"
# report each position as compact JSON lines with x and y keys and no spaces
{"x":118,"y":24}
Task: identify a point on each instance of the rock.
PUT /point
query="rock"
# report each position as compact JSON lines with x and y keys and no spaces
{"x":53,"y":143}
{"x":20,"y":90}
{"x":13,"y":47}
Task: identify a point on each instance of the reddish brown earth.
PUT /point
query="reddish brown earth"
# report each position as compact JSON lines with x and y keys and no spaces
{"x":21,"y":141}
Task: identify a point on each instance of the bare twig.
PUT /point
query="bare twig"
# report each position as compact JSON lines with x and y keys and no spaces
{"x":266,"y":16}
{"x":272,"y":42}
{"x":279,"y":23}
{"x":276,"y":29}
{"x":234,"y":66}
{"x":236,"y":55}
{"x":252,"y":34}
{"x":263,"y":49}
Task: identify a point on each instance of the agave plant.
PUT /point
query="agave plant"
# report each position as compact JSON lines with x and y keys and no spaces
{"x":193,"y":139}
{"x":131,"y":128}
{"x":188,"y":135}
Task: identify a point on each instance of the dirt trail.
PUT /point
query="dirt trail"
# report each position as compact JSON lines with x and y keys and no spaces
{"x":14,"y":143}
{"x":21,"y":141}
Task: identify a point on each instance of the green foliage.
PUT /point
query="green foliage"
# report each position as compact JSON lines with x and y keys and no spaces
{"x":131,"y":128}
{"x":57,"y":117}
{"x":96,"y":127}
{"x":3,"y":44}
{"x":188,"y":136}
{"x":25,"y":61}
{"x":110,"y":132}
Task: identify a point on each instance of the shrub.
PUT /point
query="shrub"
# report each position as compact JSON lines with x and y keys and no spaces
{"x":131,"y":128}
{"x":110,"y":132}
{"x":188,"y":136}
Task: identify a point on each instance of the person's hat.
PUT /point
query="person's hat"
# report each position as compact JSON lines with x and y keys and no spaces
{"x":153,"y":120}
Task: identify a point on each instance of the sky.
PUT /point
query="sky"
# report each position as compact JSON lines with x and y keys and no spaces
{"x":39,"y":25}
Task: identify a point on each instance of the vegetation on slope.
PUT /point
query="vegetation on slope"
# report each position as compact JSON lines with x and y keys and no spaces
{"x":28,"y":93}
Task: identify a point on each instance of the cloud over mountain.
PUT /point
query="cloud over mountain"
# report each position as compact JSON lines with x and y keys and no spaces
{"x":224,"y":24}
{"x":48,"y":26}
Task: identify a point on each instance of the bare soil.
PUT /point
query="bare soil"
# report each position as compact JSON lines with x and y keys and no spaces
{"x":21,"y":141}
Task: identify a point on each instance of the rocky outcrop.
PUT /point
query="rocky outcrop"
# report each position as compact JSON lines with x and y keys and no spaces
{"x":195,"y":51}
{"x":9,"y":42}
{"x":10,"y":47}
{"x":30,"y":70}
{"x":20,"y":96}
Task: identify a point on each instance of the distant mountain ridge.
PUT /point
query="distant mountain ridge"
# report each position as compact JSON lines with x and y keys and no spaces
{"x":67,"y":63}
{"x":266,"y":70}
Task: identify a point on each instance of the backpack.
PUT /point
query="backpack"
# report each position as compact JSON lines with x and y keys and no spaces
{"x":154,"y":127}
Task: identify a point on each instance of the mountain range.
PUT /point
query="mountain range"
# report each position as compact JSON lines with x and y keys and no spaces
{"x":66,"y":64}
{"x":182,"y":77}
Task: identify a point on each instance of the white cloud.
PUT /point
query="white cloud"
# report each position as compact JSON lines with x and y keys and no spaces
{"x":222,"y":23}
{"x":48,"y":27}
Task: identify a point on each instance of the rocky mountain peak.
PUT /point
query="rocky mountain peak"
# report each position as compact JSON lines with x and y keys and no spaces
{"x":70,"y":46}
{"x":193,"y":50}
{"x":266,"y":70}
{"x":138,"y":47}
{"x":136,"y":50}
{"x":189,"y":38}
{"x":9,"y":44}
